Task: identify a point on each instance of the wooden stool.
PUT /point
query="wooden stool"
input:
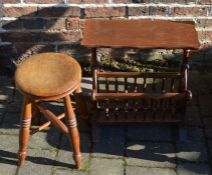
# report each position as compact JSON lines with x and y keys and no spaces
{"x":47,"y":77}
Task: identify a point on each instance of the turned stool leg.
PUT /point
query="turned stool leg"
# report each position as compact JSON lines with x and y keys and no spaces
{"x":78,"y":96}
{"x":24,"y":130}
{"x":73,"y":130}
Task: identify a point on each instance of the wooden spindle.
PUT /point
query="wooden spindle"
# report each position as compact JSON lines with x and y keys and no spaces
{"x":116,"y":85}
{"x":107,"y":109}
{"x":135,"y":85}
{"x":172,"y":84}
{"x":125,"y":85}
{"x":106,"y":85}
{"x":153,"y":84}
{"x":144,"y":85}
{"x":126,"y":109}
{"x":116,"y":110}
{"x":163,"y":85}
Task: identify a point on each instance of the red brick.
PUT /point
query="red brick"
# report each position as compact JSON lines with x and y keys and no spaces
{"x":21,"y":37}
{"x":206,"y":45}
{"x":44,"y":23}
{"x":122,"y":1}
{"x":14,"y":24}
{"x":78,"y":52}
{"x":70,"y":36}
{"x":162,"y":11}
{"x":87,"y":1}
{"x":173,"y":1}
{"x":32,"y":48}
{"x":44,"y":1}
{"x":104,"y":12}
{"x":189,"y":11}
{"x":138,"y":11}
{"x":204,"y":23}
{"x":19,"y":11}
{"x":206,"y":1}
{"x":11,"y":1}
{"x":205,"y":35}
{"x":59,"y":12}
{"x":75,"y":23}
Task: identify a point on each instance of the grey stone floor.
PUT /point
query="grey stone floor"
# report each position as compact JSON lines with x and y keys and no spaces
{"x":121,"y":150}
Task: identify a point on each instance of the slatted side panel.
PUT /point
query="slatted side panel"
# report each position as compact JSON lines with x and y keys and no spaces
{"x":137,"y":83}
{"x":135,"y":110}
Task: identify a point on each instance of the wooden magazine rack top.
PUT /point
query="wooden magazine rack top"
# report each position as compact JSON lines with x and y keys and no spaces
{"x":141,"y":34}
{"x":131,"y":97}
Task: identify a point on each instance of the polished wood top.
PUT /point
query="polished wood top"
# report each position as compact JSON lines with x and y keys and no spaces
{"x":48,"y":74}
{"x":143,"y":34}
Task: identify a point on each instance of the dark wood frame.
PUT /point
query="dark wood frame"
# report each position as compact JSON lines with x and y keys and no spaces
{"x":94,"y":40}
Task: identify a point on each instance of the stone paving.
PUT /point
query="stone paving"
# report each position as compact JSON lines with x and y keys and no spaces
{"x":121,"y":150}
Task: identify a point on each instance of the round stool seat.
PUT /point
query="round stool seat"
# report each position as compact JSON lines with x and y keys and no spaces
{"x":48,"y":74}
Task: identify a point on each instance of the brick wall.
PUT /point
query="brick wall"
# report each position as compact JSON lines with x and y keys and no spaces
{"x":33,"y":26}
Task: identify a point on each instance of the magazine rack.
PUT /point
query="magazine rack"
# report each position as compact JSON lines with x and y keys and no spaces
{"x":134,"y":97}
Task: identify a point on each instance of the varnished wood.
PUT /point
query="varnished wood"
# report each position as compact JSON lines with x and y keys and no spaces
{"x":156,"y":96}
{"x":162,"y":100}
{"x":158,"y":101}
{"x":138,"y":74}
{"x":47,"y":124}
{"x":43,"y":74}
{"x":50,"y":116}
{"x":24,"y":130}
{"x":143,"y":34}
{"x":48,"y":77}
{"x":73,"y":133}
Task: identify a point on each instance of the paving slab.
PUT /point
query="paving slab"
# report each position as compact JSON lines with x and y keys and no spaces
{"x":150,"y":133}
{"x":148,"y":154}
{"x":38,"y":162}
{"x":195,"y":134}
{"x":65,"y":159}
{"x":2,"y":111}
{"x":148,"y":150}
{"x":9,"y":146}
{"x":197,"y":84}
{"x":6,"y":89}
{"x":68,"y":172}
{"x":208,"y":127}
{"x":11,"y":123}
{"x":205,"y":102}
{"x":8,"y":168}
{"x":210,"y":147}
{"x":106,"y":166}
{"x":46,"y":139}
{"x":15,"y":105}
{"x":191,"y":151}
{"x":8,"y":154}
{"x":208,"y":80}
{"x":193,"y":169}
{"x":111,"y":143}
{"x":130,"y":170}
{"x":193,"y":116}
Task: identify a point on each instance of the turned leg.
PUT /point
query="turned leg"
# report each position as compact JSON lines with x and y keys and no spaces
{"x":73,"y":133}
{"x":24,"y":130}
{"x":36,"y":115}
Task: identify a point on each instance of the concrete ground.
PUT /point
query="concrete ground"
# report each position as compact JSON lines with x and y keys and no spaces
{"x":121,"y":150}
